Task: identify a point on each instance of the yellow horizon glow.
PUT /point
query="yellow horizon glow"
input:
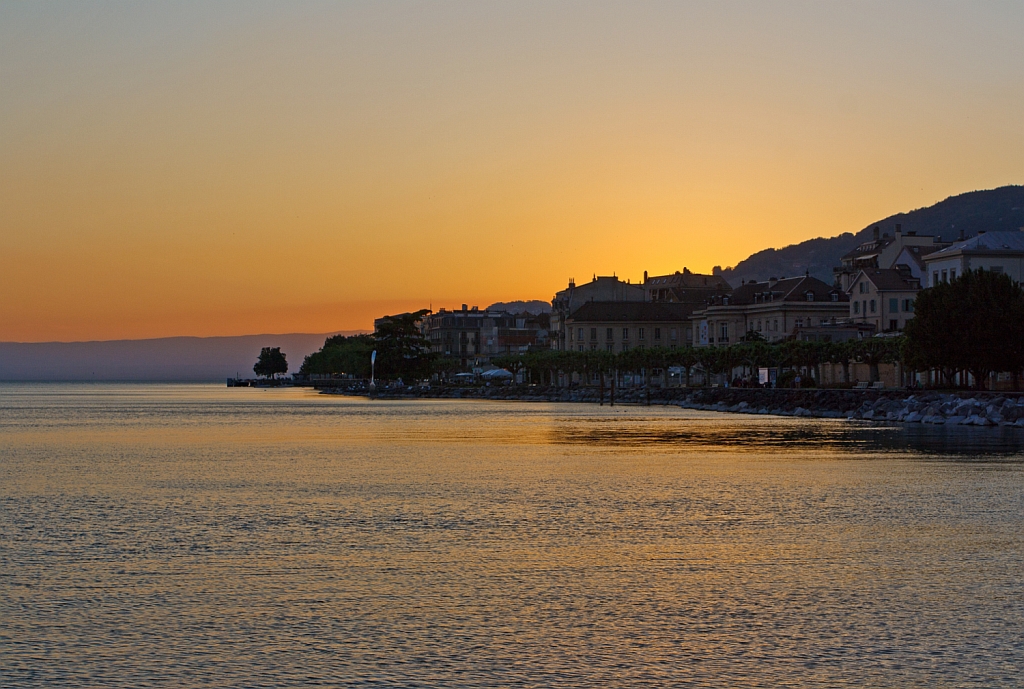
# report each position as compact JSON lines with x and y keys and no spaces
{"x":222,"y":169}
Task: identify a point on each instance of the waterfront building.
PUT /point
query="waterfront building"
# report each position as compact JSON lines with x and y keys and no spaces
{"x":774,"y":309}
{"x":473,"y":337}
{"x":620,"y":326}
{"x":883,"y":298}
{"x":1000,"y":252}
{"x":883,"y":251}
{"x":602,"y":288}
{"x":685,"y":287}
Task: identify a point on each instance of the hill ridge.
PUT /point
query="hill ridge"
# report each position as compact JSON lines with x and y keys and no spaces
{"x":991,"y":210}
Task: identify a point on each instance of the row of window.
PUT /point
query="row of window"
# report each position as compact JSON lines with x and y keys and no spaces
{"x":641,"y":334}
{"x":895,"y":306}
{"x":949,"y":276}
{"x":857,"y":306}
{"x":610,"y":347}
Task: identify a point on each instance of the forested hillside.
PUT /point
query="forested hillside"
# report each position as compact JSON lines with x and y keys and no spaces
{"x":992,"y":210}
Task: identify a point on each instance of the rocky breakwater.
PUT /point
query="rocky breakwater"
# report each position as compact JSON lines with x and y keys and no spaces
{"x":977,"y":409}
{"x":948,"y":409}
{"x":964,"y":408}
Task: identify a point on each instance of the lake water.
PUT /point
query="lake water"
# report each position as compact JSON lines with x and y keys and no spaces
{"x":191,"y":535}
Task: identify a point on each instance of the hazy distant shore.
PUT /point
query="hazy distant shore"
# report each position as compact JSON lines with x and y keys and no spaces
{"x":159,"y":359}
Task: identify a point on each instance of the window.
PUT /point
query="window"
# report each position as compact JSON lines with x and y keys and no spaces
{"x":579,"y":335}
{"x":835,"y":296}
{"x":639,"y":333}
{"x":894,"y":305}
{"x":609,"y":334}
{"x":672,"y":334}
{"x":823,"y":321}
{"x":593,"y":333}
{"x":759,"y":326}
{"x":908,"y":306}
{"x":810,"y":296}
{"x":657,"y":333}
{"x":776,"y":326}
{"x":579,"y":347}
{"x":863,"y":287}
{"x":952,"y":274}
{"x":723,"y":332}
{"x":570,"y":334}
{"x":873,"y":309}
{"x":625,"y":333}
{"x":893,"y":325}
{"x":799,"y":322}
{"x":945,"y":277}
{"x":856,"y":307}
{"x":610,"y":347}
{"x":935,"y":278}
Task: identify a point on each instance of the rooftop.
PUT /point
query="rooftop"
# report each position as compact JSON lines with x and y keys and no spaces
{"x":890,"y":280}
{"x":626,"y":311}
{"x":984,"y":242}
{"x":786,"y":289}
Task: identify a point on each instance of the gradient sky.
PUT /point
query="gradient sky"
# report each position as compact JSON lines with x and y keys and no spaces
{"x":217,"y":168}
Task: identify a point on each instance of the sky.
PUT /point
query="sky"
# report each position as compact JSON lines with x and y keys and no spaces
{"x":221,"y":168}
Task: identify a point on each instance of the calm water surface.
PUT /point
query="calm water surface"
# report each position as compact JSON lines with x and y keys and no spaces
{"x":198,"y":536}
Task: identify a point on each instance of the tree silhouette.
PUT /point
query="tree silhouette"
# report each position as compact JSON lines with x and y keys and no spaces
{"x":271,"y":362}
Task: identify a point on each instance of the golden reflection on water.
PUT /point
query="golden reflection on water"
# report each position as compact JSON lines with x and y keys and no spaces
{"x":187,"y":535}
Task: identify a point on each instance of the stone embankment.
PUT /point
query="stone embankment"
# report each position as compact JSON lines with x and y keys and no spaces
{"x":958,"y":408}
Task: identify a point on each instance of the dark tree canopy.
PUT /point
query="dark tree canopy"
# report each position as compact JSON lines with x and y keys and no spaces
{"x":974,"y":323}
{"x":341,"y":355}
{"x":271,"y":362}
{"x":402,"y":350}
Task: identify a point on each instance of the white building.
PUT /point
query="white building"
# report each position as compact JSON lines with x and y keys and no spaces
{"x":1000,"y":252}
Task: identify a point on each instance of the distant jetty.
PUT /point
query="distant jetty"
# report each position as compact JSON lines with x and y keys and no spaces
{"x":260,"y":383}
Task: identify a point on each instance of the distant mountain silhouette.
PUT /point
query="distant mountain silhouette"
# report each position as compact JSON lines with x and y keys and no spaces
{"x":535,"y":307}
{"x":166,"y":358}
{"x":992,"y":210}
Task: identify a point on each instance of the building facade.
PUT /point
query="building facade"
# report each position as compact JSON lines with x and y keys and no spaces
{"x":884,"y":252}
{"x":602,"y":288}
{"x":685,"y":287}
{"x":1000,"y":252}
{"x":473,"y":337}
{"x":620,"y":326}
{"x":774,"y":310}
{"x":883,"y":298}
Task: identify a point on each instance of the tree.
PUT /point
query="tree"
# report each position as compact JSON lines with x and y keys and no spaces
{"x":974,"y":323}
{"x":402,"y":350}
{"x":874,"y":351}
{"x":341,"y":355}
{"x":271,"y":362}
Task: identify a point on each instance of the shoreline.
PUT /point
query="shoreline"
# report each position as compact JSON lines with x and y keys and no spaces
{"x":966,"y":408}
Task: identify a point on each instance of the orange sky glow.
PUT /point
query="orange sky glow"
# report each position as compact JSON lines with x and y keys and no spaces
{"x":232,"y":168}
